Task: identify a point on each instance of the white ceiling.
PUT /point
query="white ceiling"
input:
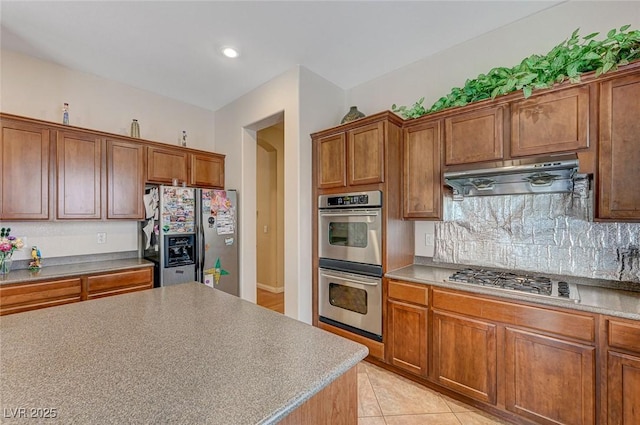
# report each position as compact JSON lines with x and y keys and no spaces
{"x":172,"y":47}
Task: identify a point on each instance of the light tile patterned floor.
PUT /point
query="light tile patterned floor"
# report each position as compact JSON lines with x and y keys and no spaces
{"x":385,"y":398}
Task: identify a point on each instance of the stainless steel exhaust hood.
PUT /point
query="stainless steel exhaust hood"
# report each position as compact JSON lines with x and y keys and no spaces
{"x":537,"y":176}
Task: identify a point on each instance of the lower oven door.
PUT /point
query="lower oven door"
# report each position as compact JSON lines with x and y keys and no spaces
{"x":351,"y":301}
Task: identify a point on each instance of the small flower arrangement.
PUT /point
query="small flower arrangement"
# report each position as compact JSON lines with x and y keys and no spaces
{"x":8,"y":244}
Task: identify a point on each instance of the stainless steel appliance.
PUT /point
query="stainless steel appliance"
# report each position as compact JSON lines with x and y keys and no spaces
{"x":532,"y":284}
{"x":526,"y":176}
{"x":192,"y":235}
{"x":351,"y":301}
{"x":350,"y":259}
{"x":218,"y":254}
{"x":350,"y":230}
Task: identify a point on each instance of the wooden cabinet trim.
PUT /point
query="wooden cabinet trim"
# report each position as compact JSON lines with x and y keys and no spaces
{"x":376,"y":349}
{"x":413,"y":293}
{"x":19,"y":297}
{"x":117,"y":281}
{"x":624,"y":335}
{"x":570,"y":324}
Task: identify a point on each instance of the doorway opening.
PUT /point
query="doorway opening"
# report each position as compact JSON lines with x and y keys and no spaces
{"x":270,"y":217}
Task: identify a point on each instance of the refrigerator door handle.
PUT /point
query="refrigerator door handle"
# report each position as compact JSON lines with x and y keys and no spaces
{"x":201,"y":258}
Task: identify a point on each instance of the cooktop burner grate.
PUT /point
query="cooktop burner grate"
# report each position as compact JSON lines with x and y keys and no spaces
{"x":533,"y":284}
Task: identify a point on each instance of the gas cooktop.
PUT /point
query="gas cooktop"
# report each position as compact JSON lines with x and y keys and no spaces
{"x":533,"y":284}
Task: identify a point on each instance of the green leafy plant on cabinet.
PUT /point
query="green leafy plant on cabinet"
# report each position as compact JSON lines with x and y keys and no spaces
{"x":567,"y":60}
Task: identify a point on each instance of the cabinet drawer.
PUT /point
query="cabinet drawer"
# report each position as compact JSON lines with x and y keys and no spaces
{"x":624,"y":335}
{"x":31,"y":296}
{"x":125,"y":281}
{"x":417,"y":294}
{"x":573,"y":325}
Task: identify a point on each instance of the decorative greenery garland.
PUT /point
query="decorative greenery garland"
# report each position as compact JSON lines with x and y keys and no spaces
{"x":565,"y":61}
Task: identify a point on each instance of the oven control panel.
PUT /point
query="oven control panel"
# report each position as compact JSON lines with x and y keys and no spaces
{"x":343,"y":200}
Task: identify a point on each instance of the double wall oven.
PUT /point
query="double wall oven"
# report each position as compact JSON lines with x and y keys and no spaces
{"x":350,"y":273}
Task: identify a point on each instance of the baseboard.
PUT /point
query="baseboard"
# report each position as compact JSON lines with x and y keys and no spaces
{"x":269,"y":288}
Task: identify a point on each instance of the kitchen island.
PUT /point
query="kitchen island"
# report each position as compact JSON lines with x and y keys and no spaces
{"x":179,"y":354}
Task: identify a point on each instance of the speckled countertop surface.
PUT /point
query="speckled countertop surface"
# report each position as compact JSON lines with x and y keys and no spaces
{"x":595,"y":299}
{"x":180,"y":354}
{"x":68,"y":270}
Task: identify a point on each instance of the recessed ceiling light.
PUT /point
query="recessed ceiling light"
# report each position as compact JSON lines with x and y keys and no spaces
{"x":230,"y":52}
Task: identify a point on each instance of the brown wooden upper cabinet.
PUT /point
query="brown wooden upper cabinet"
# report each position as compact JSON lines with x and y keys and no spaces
{"x":550,"y":123}
{"x":207,"y":170}
{"x":166,"y":164}
{"x":125,"y":179}
{"x":79,"y":175}
{"x":332,"y":161}
{"x":619,"y":149}
{"x":365,"y":154}
{"x":422,"y":192}
{"x":24,"y":171}
{"x":475,"y":136}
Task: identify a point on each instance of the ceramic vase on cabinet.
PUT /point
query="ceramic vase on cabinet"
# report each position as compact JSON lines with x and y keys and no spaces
{"x":352,"y":115}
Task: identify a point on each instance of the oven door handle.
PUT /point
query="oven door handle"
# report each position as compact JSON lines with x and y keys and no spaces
{"x":350,"y":214}
{"x":360,"y":282}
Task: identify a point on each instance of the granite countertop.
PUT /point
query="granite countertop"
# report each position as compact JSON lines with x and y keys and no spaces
{"x":68,"y":270}
{"x":593,"y":298}
{"x":180,"y":354}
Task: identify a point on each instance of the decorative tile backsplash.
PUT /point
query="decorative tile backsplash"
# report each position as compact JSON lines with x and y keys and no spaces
{"x":543,"y":233}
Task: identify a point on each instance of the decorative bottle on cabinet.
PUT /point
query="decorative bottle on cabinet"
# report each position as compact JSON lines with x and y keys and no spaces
{"x":352,"y":115}
{"x":65,"y":114}
{"x":135,"y":129}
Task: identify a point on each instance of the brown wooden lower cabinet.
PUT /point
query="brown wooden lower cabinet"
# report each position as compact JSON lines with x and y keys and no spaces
{"x":18,"y":297}
{"x":623,"y":389}
{"x":407,"y":336}
{"x":119,"y":282}
{"x":549,"y":380}
{"x":622,"y":386}
{"x":465,"y":355}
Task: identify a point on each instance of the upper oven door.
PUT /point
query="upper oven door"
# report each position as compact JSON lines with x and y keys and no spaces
{"x":351,"y":235}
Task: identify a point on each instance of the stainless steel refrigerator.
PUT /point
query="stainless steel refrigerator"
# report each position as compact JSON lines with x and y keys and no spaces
{"x":192,"y":235}
{"x":218,"y":237}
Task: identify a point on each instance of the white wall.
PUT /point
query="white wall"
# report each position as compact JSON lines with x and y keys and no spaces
{"x":309,"y":103}
{"x":34,"y":88}
{"x":435,"y":76}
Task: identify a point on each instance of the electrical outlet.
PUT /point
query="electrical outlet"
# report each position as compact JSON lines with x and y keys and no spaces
{"x":428,"y":240}
{"x":102,"y":237}
{"x":24,"y":241}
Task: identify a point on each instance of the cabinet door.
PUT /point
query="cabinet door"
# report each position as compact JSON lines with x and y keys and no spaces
{"x":166,"y":164}
{"x":332,"y":161}
{"x":549,"y":380}
{"x":119,"y":283}
{"x":24,"y":171}
{"x":623,"y":389}
{"x":421,"y":172}
{"x":32,"y":296}
{"x":366,"y":154}
{"x":407,"y":336}
{"x":465,"y":355}
{"x":207,"y":170}
{"x":474,"y":136}
{"x":619,"y":147}
{"x":550,"y":123}
{"x":79,"y":170}
{"x":125,"y":179}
